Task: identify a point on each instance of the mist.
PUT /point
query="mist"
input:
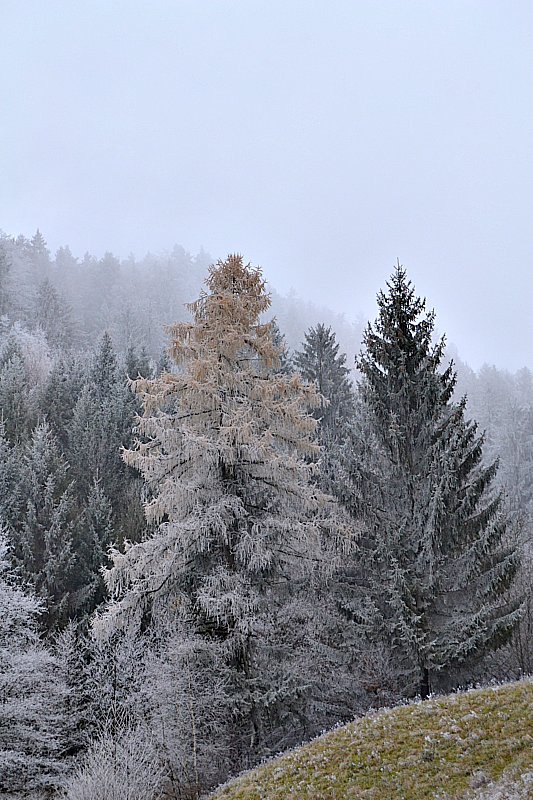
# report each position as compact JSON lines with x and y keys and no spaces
{"x":323,"y":142}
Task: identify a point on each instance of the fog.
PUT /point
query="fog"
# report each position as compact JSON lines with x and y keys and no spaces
{"x":323,"y":140}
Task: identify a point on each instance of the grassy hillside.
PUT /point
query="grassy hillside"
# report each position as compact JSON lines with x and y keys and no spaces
{"x":478,"y":744}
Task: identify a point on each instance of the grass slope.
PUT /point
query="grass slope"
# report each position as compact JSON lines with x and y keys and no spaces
{"x":478,"y":744}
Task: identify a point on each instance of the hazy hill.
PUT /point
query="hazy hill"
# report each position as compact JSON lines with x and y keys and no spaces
{"x":478,"y":744}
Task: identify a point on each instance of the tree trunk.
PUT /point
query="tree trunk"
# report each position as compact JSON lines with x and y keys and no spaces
{"x":424,"y":683}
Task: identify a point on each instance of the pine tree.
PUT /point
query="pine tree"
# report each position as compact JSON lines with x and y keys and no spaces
{"x":225,"y":449}
{"x":436,"y":567}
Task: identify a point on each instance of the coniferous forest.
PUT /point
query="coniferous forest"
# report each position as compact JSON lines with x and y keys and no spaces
{"x":230,"y":521}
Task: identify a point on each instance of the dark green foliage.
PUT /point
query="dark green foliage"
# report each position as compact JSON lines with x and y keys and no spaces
{"x":137,"y":364}
{"x":91,"y":538}
{"x":101,"y":425}
{"x":434,"y":569}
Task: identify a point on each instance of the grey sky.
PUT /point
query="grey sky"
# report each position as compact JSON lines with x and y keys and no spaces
{"x":320,"y":139}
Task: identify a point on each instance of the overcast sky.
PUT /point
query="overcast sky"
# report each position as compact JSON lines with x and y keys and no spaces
{"x":323,"y":140}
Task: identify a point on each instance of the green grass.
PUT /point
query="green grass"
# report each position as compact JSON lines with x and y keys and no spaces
{"x":441,"y":749}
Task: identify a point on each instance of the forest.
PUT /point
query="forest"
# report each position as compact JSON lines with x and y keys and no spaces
{"x":230,"y":520}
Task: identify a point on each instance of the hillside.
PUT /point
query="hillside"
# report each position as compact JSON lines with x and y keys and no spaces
{"x":478,"y":744}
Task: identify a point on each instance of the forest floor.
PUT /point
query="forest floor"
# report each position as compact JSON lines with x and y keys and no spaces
{"x":475,"y":745}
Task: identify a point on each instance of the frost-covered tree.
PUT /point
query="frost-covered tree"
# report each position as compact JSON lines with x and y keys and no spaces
{"x":43,"y":535}
{"x":53,"y":316}
{"x":32,"y":695}
{"x":319,"y":362}
{"x":101,"y":425}
{"x":92,"y":535}
{"x":436,"y":567}
{"x":225,"y":447}
{"x":278,"y":338}
{"x":60,"y":395}
{"x":6,"y":302}
{"x":15,"y":411}
{"x":124,"y":766}
{"x":185,"y":699}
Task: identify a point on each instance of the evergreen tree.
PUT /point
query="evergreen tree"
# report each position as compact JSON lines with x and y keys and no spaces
{"x":61,"y":393}
{"x":6,"y":302}
{"x":91,"y":537}
{"x":164,"y":363}
{"x":280,"y":343}
{"x":101,"y":425}
{"x":436,"y":568}
{"x":43,"y":539}
{"x":52,"y":315}
{"x":319,"y":362}
{"x":11,"y":497}
{"x":137,"y":365}
{"x":225,"y":452}
{"x":32,"y":693}
{"x":15,"y":411}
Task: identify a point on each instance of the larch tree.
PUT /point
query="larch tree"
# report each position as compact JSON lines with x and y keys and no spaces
{"x":226,"y":448}
{"x":436,"y":564}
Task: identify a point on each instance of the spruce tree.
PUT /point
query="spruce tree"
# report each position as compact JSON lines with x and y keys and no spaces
{"x":15,"y":409}
{"x":101,"y":425}
{"x":225,"y":448}
{"x":436,"y":567}
{"x":43,"y":536}
{"x":61,"y":393}
{"x":53,"y":316}
{"x":319,"y":362}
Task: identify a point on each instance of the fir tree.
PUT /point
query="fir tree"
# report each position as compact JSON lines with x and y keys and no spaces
{"x":225,"y":451}
{"x":436,"y":569}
